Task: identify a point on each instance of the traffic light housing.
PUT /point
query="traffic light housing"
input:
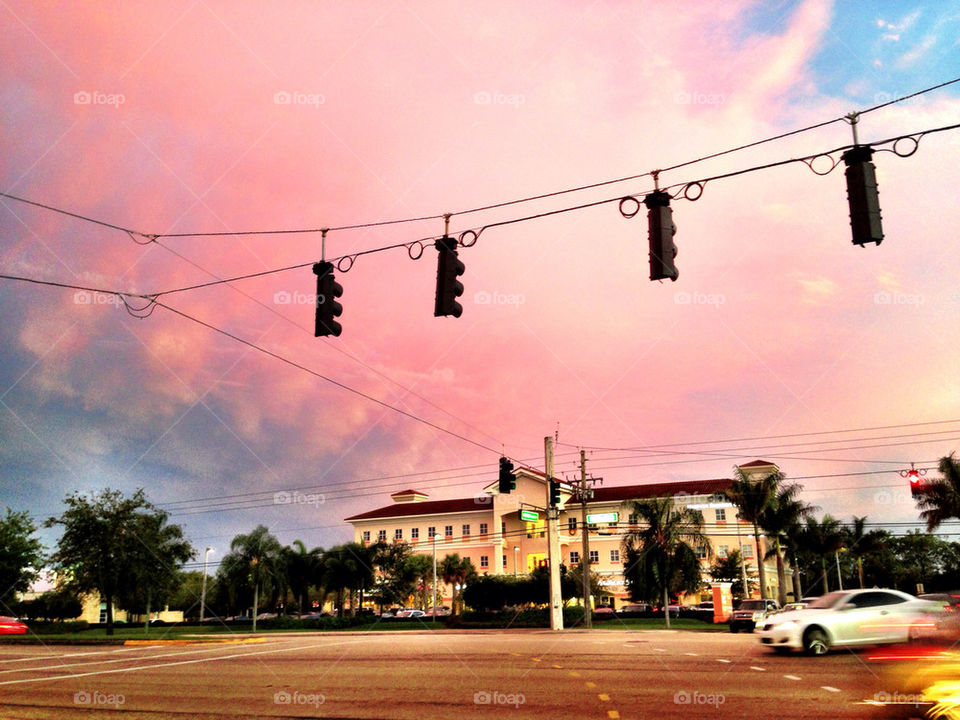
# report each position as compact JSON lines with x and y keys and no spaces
{"x":554,"y":492}
{"x":862,"y":195}
{"x":660,"y":232}
{"x":449,"y":288}
{"x":328,"y":309}
{"x":915,"y":482}
{"x":508,"y":481}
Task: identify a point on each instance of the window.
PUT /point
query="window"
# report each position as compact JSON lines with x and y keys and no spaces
{"x":483,"y":528}
{"x":701,"y":552}
{"x":466,"y":531}
{"x":722,"y":551}
{"x":503,"y":528}
{"x":366,"y":536}
{"x":614,"y":556}
{"x":381,"y":536}
{"x":594,"y":556}
{"x":504,"y":561}
{"x":398,"y":534}
{"x":484,"y":561}
{"x":721,"y":514}
{"x":448,"y":531}
{"x":574,"y":557}
{"x":748,"y":551}
{"x":415,"y":534}
{"x":634,"y":518}
{"x":431,"y":531}
{"x":571,"y":525}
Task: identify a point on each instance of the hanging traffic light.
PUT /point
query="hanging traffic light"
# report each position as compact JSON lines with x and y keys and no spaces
{"x":328,"y":309}
{"x":660,"y":234}
{"x":915,"y":477}
{"x":554,"y":492}
{"x":508,"y":481}
{"x":449,"y":268}
{"x":862,"y":195}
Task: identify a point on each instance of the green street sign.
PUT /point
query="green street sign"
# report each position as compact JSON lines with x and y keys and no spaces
{"x":607,"y":517}
{"x":530,"y":515}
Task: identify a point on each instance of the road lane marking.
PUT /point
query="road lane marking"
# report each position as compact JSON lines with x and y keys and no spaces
{"x":516,"y":654}
{"x":829,"y":689}
{"x":604,"y":697}
{"x":179,"y":662}
{"x":724,"y":660}
{"x":558,"y":667}
{"x":758,"y":668}
{"x":613,"y":714}
{"x":591,"y":684}
{"x":536,"y":659}
{"x":692,"y":654}
{"x":793,"y":677}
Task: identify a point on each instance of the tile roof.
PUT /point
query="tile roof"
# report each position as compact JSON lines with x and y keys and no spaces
{"x":429,"y":507}
{"x":652,"y":490}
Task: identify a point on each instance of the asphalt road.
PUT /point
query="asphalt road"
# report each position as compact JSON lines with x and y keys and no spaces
{"x":452,"y":675}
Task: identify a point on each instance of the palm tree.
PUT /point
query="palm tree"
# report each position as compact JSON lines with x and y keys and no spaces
{"x":753,"y":498}
{"x":257,"y":559}
{"x":420,"y":568}
{"x":347,"y":568}
{"x":660,"y":556}
{"x":822,"y":538}
{"x":786,"y":511}
{"x":300,"y":571}
{"x":939,"y":499}
{"x":859,"y":543}
{"x":456,"y":571}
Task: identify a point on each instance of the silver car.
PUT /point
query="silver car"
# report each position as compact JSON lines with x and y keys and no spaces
{"x":849,"y":618}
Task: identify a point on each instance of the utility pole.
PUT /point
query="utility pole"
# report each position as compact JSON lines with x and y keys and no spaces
{"x":553,"y":543}
{"x":585,"y":558}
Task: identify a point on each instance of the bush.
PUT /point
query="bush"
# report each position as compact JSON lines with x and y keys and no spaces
{"x":50,"y":628}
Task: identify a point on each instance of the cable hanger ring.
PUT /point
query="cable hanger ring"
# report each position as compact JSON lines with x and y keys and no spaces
{"x":698,"y":184}
{"x":913,"y":149}
{"x":475,"y":235}
{"x":628,"y":199}
{"x":345,"y":263}
{"x":415,"y":244}
{"x":811,"y":161}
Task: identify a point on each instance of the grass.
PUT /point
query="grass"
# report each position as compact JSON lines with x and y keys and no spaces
{"x":659,"y":624}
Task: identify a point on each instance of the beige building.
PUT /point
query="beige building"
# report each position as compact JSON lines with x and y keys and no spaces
{"x":487,"y":527}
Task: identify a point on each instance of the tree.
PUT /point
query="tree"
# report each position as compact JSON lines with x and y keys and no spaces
{"x":301,"y":571}
{"x":784,"y":512}
{"x":21,"y":555}
{"x":420,"y":568}
{"x":939,"y":499}
{"x":753,"y":499}
{"x":107,"y":538}
{"x":155,"y":560}
{"x":576,"y":577}
{"x":727,"y":569}
{"x":822,"y":538}
{"x":661,"y":557}
{"x":457,"y":572}
{"x":347,"y":568}
{"x":860,"y":543}
{"x":255,"y":562}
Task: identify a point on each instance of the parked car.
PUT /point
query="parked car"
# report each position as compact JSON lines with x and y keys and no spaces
{"x":442,"y":611}
{"x":750,"y":613}
{"x":603,"y":610}
{"x":850,"y":618}
{"x":705,"y":606}
{"x":11,"y":626}
{"x":410,"y":613}
{"x":635,"y":608}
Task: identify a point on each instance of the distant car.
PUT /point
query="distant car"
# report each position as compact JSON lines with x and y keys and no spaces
{"x":442,"y":611}
{"x":410,"y":613}
{"x":635,"y":608}
{"x":11,"y":626}
{"x":705,"y":606}
{"x":603,"y":610}
{"x":266,"y":616}
{"x":750,"y":613}
{"x":792,"y":606}
{"x":850,"y":618}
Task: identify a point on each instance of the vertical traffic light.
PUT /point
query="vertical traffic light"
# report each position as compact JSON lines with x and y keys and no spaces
{"x":508,"y":481}
{"x":862,"y":195}
{"x":660,"y":233}
{"x":554,"y":492}
{"x":449,"y":268}
{"x":915,"y":482}
{"x":328,"y":309}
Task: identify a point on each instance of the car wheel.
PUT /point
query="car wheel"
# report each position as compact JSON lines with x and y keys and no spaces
{"x":815,"y":642}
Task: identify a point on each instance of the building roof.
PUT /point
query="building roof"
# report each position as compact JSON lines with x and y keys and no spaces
{"x":652,"y":490}
{"x":758,"y":463}
{"x":429,"y":507}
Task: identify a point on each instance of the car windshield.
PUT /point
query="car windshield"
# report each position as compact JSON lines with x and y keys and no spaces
{"x":827,"y":601}
{"x":752,"y":605}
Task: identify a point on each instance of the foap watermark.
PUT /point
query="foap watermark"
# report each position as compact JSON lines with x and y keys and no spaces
{"x":484,"y":97}
{"x":485,"y":500}
{"x":284,"y":297}
{"x":495,"y":697}
{"x":284,"y":697}
{"x":295,"y":97}
{"x":96,"y":97}
{"x":684,"y":697}
{"x":485,"y":297}
{"x":882,"y":98}
{"x":91,"y":698}
{"x":85,"y":297}
{"x":898,"y":698}
{"x":884,"y":297}
{"x":285,"y":497}
{"x":896,"y":497}
{"x":684,"y":297}
{"x":699,"y":98}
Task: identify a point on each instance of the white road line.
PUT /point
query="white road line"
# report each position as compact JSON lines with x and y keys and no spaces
{"x":829,"y":689}
{"x":179,"y":662}
{"x":659,"y":650}
{"x":692,"y":654}
{"x":724,"y":660}
{"x":758,"y":668}
{"x":78,"y":654}
{"x":793,"y":677}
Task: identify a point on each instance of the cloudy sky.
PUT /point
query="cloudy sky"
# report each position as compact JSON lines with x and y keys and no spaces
{"x":780,"y":340}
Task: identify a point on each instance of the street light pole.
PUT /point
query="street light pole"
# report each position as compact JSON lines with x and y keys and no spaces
{"x":203,"y":584}
{"x":434,"y":538}
{"x":516,"y":559}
